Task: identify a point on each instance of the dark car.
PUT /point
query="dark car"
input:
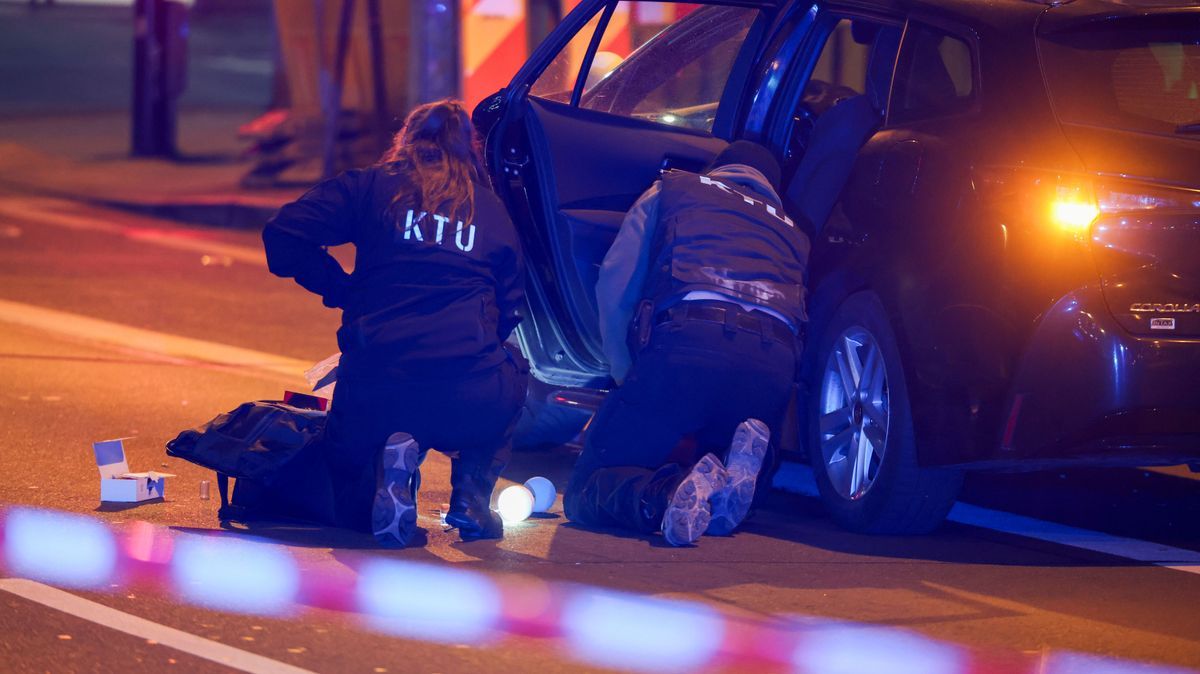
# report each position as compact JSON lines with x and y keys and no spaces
{"x":1004,"y":200}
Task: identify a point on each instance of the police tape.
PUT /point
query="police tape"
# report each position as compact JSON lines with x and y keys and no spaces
{"x":445,"y":604}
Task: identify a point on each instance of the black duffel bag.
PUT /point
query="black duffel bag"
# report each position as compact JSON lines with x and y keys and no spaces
{"x":270,"y":449}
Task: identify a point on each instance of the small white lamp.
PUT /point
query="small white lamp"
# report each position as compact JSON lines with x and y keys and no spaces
{"x":515,"y":503}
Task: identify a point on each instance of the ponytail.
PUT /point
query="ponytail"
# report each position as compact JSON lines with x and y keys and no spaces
{"x":437,"y":151}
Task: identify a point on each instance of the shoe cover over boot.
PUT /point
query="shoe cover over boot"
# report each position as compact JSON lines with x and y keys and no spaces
{"x":470,"y":500}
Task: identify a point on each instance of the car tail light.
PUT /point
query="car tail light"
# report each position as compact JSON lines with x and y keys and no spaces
{"x":1077,"y":204}
{"x":1074,"y":209}
{"x":1128,"y":197}
{"x":1057,"y":203}
{"x":1073,"y":203}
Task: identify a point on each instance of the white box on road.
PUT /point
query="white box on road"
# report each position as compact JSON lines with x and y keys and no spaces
{"x":117,"y":484}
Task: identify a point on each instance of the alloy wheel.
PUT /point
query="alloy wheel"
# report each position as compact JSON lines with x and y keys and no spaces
{"x":854,"y":413}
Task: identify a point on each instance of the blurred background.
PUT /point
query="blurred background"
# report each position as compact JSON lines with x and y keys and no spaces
{"x":183,"y":107}
{"x":254,"y":81}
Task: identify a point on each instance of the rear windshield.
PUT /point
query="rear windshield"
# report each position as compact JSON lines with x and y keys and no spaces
{"x":1138,"y":76}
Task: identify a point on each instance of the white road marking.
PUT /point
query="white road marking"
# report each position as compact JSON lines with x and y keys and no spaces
{"x":176,"y":239}
{"x":120,"y":621}
{"x":799,"y":479}
{"x":1179,"y":559}
{"x":117,"y":334}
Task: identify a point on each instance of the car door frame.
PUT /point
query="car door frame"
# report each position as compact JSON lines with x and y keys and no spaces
{"x":549,"y":337}
{"x":831,"y":277}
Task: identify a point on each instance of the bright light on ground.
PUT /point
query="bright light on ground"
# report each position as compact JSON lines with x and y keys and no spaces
{"x":515,"y":503}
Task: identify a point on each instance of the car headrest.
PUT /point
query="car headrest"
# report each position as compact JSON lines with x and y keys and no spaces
{"x":863,"y":32}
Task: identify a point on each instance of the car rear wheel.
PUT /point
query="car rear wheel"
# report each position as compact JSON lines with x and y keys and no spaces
{"x":861,"y":441}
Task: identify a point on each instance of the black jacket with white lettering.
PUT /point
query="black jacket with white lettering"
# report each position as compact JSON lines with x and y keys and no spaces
{"x":429,"y":297}
{"x":718,"y":238}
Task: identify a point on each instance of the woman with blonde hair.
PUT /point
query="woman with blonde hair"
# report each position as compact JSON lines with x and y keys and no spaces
{"x":437,"y":283}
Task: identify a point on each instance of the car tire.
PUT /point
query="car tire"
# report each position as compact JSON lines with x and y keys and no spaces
{"x":864,"y":489}
{"x":544,"y":425}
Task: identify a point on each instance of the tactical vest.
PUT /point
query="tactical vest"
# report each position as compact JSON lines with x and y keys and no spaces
{"x":721,"y":237}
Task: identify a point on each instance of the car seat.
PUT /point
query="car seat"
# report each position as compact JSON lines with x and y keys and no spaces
{"x":839,"y":133}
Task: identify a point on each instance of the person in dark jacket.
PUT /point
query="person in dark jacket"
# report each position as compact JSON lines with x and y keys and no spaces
{"x":437,"y":283}
{"x":701,"y":302}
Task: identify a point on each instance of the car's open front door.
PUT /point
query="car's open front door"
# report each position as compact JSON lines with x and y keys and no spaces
{"x":619,"y":92}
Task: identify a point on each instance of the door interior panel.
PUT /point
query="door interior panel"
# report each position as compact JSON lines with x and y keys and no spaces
{"x":589,"y":234}
{"x":591,"y":167}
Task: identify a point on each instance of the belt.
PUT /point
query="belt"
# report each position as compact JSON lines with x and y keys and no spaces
{"x":733,"y":317}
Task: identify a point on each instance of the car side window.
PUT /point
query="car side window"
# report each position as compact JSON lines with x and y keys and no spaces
{"x":843,"y":66}
{"x":935,"y":77}
{"x":665,"y":62}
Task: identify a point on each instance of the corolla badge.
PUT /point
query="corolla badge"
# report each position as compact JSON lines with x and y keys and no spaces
{"x":1165,"y":307}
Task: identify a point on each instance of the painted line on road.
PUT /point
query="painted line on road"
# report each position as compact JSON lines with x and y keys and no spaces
{"x":98,"y":330}
{"x":175,"y":239}
{"x":798,"y":479}
{"x":120,"y":621}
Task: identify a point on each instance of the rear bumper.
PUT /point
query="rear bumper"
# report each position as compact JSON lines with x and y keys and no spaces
{"x":1087,"y":391}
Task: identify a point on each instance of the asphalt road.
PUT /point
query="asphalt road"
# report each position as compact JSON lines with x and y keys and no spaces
{"x":92,"y":303}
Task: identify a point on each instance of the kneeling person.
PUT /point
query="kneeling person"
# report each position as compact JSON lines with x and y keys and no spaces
{"x":701,"y":299}
{"x":438,"y":279}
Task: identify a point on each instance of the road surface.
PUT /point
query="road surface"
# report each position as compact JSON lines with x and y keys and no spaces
{"x":115,"y":325}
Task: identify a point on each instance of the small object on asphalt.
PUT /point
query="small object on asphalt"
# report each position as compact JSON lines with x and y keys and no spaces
{"x":306,"y":401}
{"x":117,"y":484}
{"x":204,"y":490}
{"x":543,"y":493}
{"x":515,"y":503}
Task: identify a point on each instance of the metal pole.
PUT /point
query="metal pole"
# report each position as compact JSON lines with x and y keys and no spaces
{"x":436,"y":72}
{"x":147,"y":80}
{"x":541,"y":16}
{"x":333,"y":94}
{"x":379,"y":82}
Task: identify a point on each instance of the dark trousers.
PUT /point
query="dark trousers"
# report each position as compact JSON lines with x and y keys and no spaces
{"x":469,"y":418}
{"x":694,"y":378}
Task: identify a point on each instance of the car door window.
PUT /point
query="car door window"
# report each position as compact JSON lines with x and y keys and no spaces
{"x":935,"y":77}
{"x":854,"y":66}
{"x":855,"y":51}
{"x":557,"y":81}
{"x":661,"y":61}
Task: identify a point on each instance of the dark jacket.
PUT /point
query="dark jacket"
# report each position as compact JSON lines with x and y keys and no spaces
{"x":626,"y":268}
{"x":715,"y":237}
{"x":429,"y":297}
